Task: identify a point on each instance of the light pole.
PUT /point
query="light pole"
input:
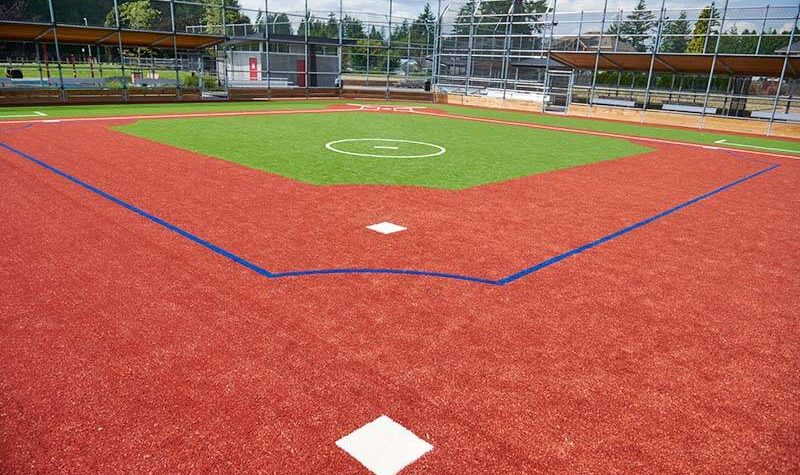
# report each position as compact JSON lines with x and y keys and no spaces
{"x":89,"y":48}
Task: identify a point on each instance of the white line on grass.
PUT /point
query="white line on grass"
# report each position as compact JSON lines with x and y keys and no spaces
{"x":13,"y":116}
{"x":725,"y":141}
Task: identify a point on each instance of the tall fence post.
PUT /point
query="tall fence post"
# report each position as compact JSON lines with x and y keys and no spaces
{"x":597,"y":56}
{"x":388,"y":53}
{"x":121,"y":52}
{"x":62,"y":95}
{"x":653,"y":58}
{"x":437,"y":45}
{"x":175,"y":50}
{"x":763,"y":27}
{"x":468,"y":71}
{"x":305,"y":42}
{"x":225,"y":50}
{"x":340,"y":48}
{"x":507,"y":48}
{"x":546,"y":88}
{"x":713,"y":62}
{"x":783,"y":71}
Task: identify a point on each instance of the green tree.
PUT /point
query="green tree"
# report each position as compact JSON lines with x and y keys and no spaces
{"x":524,"y":14}
{"x":636,"y":27}
{"x":734,"y":43}
{"x":523,"y":18}
{"x":422,"y":28}
{"x":353,"y":28}
{"x":315,"y":26}
{"x":464,"y":18}
{"x":279,"y":24}
{"x":774,"y":41}
{"x":332,"y":27}
{"x":401,"y":32}
{"x":212,"y":15}
{"x":675,"y":34}
{"x":138,"y":15}
{"x":704,"y":33}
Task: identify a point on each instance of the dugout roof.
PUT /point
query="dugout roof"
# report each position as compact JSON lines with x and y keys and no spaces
{"x":733,"y":64}
{"x":68,"y":34}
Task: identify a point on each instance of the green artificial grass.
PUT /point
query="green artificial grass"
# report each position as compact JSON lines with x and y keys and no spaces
{"x":294,"y":146}
{"x":112,"y":110}
{"x":667,"y":133}
{"x":638,"y":130}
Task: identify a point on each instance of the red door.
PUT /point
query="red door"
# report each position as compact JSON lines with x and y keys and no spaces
{"x":253,"y":69}
{"x":301,"y":72}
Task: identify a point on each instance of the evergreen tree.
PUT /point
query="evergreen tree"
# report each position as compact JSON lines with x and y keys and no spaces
{"x":353,"y":28}
{"x":636,"y":27}
{"x":279,"y":24}
{"x":422,"y":28}
{"x":464,"y":18}
{"x":401,"y":33}
{"x":675,"y":34}
{"x":705,"y":26}
{"x":332,"y":28}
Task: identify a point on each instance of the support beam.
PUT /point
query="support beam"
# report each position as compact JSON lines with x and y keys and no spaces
{"x":665,"y":64}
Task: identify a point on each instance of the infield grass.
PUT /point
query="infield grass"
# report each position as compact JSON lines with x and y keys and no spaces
{"x":294,"y":146}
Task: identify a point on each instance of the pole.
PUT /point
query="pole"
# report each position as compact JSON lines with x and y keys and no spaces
{"x":121,"y":55}
{"x":468,"y":71}
{"x":507,"y":49}
{"x":341,"y":47}
{"x":653,"y":59}
{"x":763,"y":27}
{"x":713,"y":61}
{"x":708,"y":26}
{"x":266,"y":44}
{"x":61,"y":92}
{"x":597,"y":57}
{"x":546,"y":90}
{"x":783,"y":72}
{"x":437,"y":43}
{"x":225,"y":49}
{"x":305,"y":41}
{"x":39,"y":65}
{"x":175,"y":50}
{"x":388,"y":52}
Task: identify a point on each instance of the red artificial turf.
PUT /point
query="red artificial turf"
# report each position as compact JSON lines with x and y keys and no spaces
{"x":127,"y":349}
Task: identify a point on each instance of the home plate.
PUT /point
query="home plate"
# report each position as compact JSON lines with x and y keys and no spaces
{"x":383,"y":446}
{"x":386,"y":228}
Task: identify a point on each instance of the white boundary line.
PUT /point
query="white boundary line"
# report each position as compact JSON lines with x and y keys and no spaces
{"x":35,"y":114}
{"x":179,"y":116}
{"x":598,"y":134}
{"x":725,"y":141}
{"x":419,"y":112}
{"x":330,"y":146}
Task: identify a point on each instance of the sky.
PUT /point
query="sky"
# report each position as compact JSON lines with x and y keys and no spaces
{"x":411,"y":8}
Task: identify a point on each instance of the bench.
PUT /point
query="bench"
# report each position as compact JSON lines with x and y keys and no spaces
{"x":790,"y":117}
{"x":688,"y":108}
{"x":262,"y":83}
{"x":610,"y":101}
